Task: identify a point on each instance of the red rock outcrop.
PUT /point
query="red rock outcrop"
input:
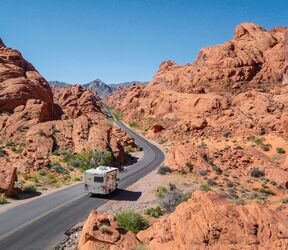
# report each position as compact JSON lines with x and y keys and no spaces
{"x":207,"y":221}
{"x":252,"y":58}
{"x":101,"y":231}
{"x":20,"y":82}
{"x":38,"y":123}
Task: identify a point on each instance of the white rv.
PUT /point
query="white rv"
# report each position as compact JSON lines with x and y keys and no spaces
{"x":101,"y":180}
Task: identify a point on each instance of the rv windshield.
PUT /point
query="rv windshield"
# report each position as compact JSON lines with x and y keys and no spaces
{"x":98,"y":179}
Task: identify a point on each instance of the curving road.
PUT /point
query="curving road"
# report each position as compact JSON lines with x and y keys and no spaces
{"x":41,"y":223}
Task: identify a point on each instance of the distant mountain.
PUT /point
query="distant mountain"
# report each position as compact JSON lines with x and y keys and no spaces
{"x":125,"y":84}
{"x":59,"y":84}
{"x":100,"y":87}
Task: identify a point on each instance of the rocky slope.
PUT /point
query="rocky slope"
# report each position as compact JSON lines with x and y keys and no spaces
{"x":191,"y":103}
{"x":223,"y":122}
{"x":210,"y":223}
{"x":36,"y":123}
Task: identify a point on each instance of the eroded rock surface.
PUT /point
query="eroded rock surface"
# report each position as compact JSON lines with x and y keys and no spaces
{"x":207,"y":221}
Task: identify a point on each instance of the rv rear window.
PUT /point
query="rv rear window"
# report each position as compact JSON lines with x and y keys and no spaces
{"x":98,"y":179}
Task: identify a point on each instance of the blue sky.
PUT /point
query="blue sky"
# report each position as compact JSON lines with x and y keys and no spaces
{"x":123,"y":40}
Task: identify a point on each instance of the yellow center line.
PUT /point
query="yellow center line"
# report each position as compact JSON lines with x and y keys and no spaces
{"x":38,"y":217}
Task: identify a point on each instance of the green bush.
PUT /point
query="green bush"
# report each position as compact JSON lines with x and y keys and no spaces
{"x":190,"y":166}
{"x":284,"y":200}
{"x":266,"y":191}
{"x":280,"y":150}
{"x":118,"y":116}
{"x":266,"y":147}
{"x":89,"y":159}
{"x":205,"y":187}
{"x":186,"y":196}
{"x":259,"y":141}
{"x":133,"y":124}
{"x":3,"y":200}
{"x":163,"y":170}
{"x":18,"y":150}
{"x":132,"y":221}
{"x":161,"y":191}
{"x":29,"y":188}
{"x":155,"y":212}
{"x":58,"y":168}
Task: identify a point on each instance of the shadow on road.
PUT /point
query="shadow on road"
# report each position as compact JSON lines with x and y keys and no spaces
{"x":119,"y":195}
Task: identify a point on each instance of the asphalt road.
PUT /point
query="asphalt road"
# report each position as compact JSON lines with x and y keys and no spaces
{"x":41,"y":223}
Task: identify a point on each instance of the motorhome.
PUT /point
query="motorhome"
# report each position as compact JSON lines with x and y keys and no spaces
{"x":101,"y":180}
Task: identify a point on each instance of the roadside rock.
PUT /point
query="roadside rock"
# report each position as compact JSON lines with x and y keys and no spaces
{"x":102,"y":231}
{"x":213,"y":223}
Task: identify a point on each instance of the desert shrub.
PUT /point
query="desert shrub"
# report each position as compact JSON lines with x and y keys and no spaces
{"x":3,"y":199}
{"x":211,"y":182}
{"x":76,"y":178}
{"x":56,"y":152}
{"x":208,"y":159}
{"x":182,"y":171}
{"x":190,"y":166}
{"x":251,"y":138}
{"x":18,"y":150}
{"x":272,"y":182}
{"x":256,"y":172}
{"x":266,"y":147}
{"x":133,"y":124}
{"x":239,"y":201}
{"x":266,"y":191}
{"x":58,"y":168}
{"x":89,"y":159}
{"x":155,"y":212}
{"x":203,"y":172}
{"x":186,"y":196}
{"x":217,"y":170}
{"x":29,"y":188}
{"x":284,"y":200}
{"x":172,"y":198}
{"x":259,"y":141}
{"x":128,"y":149}
{"x":227,"y":134}
{"x":205,"y":187}
{"x":280,"y":150}
{"x":161,"y":191}
{"x":42,"y":172}
{"x":132,"y":221}
{"x":163,"y":170}
{"x":118,"y":116}
{"x":230,"y":184}
{"x":2,"y":152}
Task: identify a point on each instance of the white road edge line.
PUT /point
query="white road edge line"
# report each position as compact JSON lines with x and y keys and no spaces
{"x":38,"y":217}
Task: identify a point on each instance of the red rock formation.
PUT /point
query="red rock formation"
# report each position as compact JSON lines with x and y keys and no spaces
{"x":207,"y":221}
{"x":76,"y":100}
{"x":253,"y":57}
{"x":101,"y":231}
{"x":29,"y":117}
{"x":21,"y":82}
